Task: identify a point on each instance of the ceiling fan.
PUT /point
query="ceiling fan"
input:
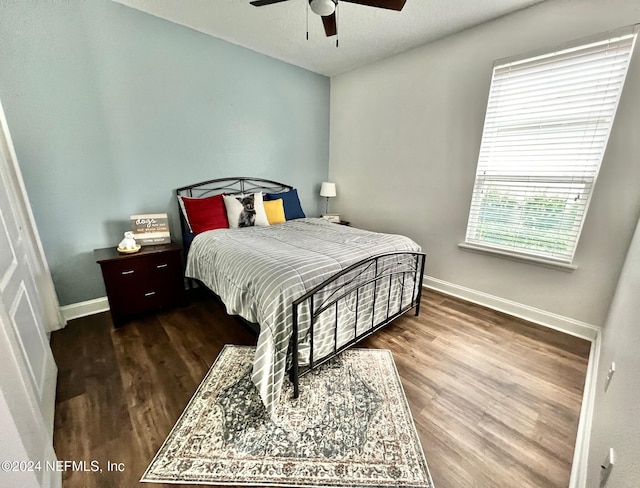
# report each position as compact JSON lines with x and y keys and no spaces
{"x":327,"y":9}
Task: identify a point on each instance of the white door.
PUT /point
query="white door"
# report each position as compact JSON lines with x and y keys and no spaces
{"x":27,"y":369}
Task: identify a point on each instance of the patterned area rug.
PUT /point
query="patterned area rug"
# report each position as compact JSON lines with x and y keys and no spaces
{"x":351,"y":426}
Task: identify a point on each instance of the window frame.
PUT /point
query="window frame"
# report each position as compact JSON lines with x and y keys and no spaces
{"x":566,"y":261}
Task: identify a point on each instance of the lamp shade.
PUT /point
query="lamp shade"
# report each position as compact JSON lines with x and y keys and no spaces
{"x":328,"y":189}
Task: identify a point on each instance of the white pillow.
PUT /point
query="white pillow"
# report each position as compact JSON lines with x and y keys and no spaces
{"x":245,"y":210}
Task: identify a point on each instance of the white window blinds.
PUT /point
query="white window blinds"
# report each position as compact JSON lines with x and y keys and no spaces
{"x":546,"y":129}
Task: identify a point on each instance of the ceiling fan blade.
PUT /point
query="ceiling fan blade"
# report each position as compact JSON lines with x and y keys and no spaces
{"x":388,"y":4}
{"x":262,"y":3}
{"x":330,"y":26}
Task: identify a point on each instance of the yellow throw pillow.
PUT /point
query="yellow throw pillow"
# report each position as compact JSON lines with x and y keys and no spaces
{"x":275,"y":211}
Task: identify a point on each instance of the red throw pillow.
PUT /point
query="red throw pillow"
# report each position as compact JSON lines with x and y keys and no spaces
{"x":205,"y":213}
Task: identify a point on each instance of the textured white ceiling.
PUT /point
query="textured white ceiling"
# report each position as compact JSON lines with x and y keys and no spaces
{"x":366,"y":34}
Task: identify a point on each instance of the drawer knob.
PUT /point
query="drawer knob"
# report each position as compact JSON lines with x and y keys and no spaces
{"x":162,"y":265}
{"x":150,"y":294}
{"x":131,"y":271}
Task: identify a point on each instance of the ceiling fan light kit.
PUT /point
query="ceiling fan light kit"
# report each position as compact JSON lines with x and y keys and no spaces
{"x":327,"y":9}
{"x":323,"y":7}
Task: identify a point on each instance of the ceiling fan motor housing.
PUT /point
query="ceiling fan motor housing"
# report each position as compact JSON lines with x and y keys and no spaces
{"x":327,"y":10}
{"x":323,"y":7}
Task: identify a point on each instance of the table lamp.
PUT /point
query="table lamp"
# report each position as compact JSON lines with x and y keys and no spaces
{"x":327,"y":190}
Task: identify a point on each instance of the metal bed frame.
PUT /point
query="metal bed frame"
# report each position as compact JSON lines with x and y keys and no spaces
{"x":346,"y":284}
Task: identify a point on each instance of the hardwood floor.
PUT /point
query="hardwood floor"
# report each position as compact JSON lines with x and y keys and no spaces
{"x":495,"y":399}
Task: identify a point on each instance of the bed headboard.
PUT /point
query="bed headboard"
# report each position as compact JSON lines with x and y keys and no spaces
{"x":228,"y":186}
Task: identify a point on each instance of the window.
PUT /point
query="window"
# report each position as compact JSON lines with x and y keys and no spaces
{"x":545,"y":132}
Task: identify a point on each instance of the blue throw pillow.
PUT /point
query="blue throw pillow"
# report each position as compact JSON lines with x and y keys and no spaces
{"x":291,"y":202}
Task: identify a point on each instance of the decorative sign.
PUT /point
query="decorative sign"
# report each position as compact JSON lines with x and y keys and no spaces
{"x":150,"y":229}
{"x":335,"y":218}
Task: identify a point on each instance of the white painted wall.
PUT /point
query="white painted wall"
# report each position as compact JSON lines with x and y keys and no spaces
{"x":616,"y":421}
{"x":405,"y":135}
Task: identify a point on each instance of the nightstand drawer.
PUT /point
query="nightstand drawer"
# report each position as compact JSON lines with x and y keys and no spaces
{"x":129,"y":274}
{"x":163,"y":266}
{"x":130,"y":302}
{"x":138,"y":271}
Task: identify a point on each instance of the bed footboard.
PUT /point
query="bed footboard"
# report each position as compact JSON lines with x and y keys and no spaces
{"x":352,"y":305}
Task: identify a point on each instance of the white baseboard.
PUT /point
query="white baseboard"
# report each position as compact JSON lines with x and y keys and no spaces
{"x":83,"y":309}
{"x":579,"y":466}
{"x":558,"y":322}
{"x":548,"y":319}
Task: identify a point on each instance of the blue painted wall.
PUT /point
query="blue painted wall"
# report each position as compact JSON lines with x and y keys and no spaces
{"x":111,"y":109}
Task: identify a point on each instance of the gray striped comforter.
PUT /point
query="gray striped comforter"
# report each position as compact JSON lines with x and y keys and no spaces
{"x":259,"y":271}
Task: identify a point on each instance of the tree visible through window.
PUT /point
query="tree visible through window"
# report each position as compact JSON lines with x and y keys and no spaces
{"x":546,"y":129}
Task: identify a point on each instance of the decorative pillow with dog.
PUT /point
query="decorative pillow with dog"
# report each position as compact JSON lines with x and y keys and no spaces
{"x":245,"y":210}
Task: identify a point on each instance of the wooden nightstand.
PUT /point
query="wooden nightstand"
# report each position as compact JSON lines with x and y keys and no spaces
{"x":145,"y":281}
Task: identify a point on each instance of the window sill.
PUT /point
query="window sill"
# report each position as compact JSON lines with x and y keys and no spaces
{"x":547,"y":263}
